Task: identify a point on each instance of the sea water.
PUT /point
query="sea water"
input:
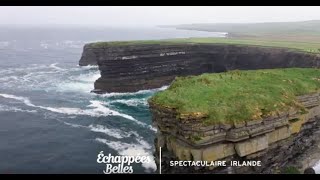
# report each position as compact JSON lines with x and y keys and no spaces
{"x":49,"y":120}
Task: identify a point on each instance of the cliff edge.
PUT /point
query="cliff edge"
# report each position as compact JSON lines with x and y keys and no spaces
{"x":270,"y":116}
{"x":131,"y":66}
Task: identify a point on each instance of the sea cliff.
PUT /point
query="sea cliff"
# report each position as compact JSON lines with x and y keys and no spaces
{"x":275,"y":121}
{"x":130,"y":67}
{"x":275,"y":130}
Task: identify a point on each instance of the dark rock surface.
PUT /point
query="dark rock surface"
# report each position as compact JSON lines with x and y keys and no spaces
{"x":136,"y":67}
{"x":88,"y":57}
{"x":309,"y":171}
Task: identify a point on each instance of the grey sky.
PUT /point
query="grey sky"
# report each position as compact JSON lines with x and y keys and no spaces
{"x":152,"y":15}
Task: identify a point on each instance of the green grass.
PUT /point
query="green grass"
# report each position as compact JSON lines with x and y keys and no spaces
{"x":129,"y":43}
{"x":239,"y":96}
{"x":290,"y":170}
{"x":311,"y":47}
{"x":258,"y":29}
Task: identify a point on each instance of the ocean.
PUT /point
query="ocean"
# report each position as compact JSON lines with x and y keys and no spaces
{"x":50,"y":122}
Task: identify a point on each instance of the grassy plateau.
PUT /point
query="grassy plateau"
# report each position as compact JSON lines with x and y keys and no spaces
{"x":309,"y":47}
{"x":238,"y":96}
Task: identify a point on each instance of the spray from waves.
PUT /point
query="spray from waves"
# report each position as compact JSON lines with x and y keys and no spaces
{"x":98,"y":109}
{"x":140,"y":148}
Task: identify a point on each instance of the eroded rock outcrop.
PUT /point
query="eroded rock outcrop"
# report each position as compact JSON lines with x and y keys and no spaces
{"x":129,"y":68}
{"x":275,"y":141}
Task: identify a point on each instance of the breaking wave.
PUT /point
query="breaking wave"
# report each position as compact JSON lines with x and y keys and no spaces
{"x":50,"y":78}
{"x":148,"y":91}
{"x":116,"y":133}
{"x":131,"y":102}
{"x":54,"y":66}
{"x":98,"y":109}
{"x":15,"y":109}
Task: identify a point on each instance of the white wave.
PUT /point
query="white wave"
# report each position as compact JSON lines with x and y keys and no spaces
{"x":82,"y":83}
{"x":89,"y":77}
{"x":72,"y":124}
{"x":15,"y":109}
{"x":32,"y":67}
{"x":135,"y":93}
{"x":54,"y":66}
{"x":87,"y":67}
{"x":35,"y":76}
{"x":98,"y":109}
{"x":141,"y":148}
{"x":152,"y":128}
{"x":116,"y":133}
{"x":73,"y":87}
{"x":131,"y":102}
{"x":22,"y":99}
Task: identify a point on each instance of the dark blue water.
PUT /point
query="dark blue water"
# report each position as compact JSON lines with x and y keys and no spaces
{"x":49,"y":120}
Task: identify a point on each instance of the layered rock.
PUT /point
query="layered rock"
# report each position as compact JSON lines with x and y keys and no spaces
{"x":275,"y":141}
{"x":129,"y":68}
{"x":88,"y":56}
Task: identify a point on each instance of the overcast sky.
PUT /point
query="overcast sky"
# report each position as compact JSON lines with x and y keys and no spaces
{"x":152,"y":15}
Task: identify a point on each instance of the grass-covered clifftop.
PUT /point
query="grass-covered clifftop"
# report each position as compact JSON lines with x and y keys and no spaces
{"x":237,"y":96}
{"x":310,"y":47}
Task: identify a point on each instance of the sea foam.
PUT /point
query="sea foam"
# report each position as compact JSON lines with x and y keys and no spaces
{"x":97,"y":110}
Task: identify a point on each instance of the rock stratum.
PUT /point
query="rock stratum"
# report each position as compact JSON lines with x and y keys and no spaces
{"x":276,"y":141}
{"x":134,"y":67}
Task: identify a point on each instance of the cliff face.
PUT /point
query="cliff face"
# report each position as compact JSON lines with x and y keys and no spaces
{"x":88,"y":56}
{"x":275,"y":141}
{"x":131,"y":68}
